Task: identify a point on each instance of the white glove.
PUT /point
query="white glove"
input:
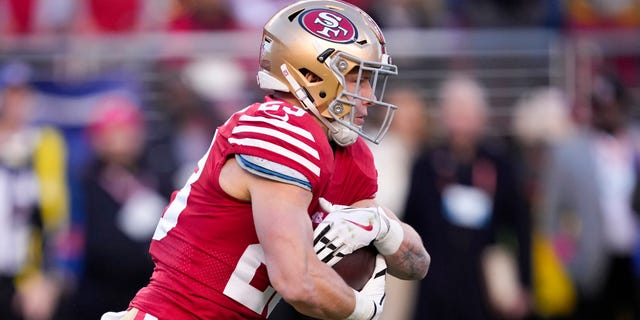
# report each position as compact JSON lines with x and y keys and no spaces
{"x":343,"y":231}
{"x":370,"y":300}
{"x":347,"y":229}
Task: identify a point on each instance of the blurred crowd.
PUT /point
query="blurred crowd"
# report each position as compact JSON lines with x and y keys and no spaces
{"x":539,"y":221}
{"x":123,"y":16}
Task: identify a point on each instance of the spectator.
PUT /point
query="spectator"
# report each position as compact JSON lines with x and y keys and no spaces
{"x":408,"y":13}
{"x":588,"y":204}
{"x":541,"y":119}
{"x":204,"y":15}
{"x":33,"y":201}
{"x":592,"y":14}
{"x":114,"y":16}
{"x":466,"y":204}
{"x":255,"y":18}
{"x":505,"y":14}
{"x":121,"y":205}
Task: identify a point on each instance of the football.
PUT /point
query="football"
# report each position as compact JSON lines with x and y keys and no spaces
{"x":357,"y":268}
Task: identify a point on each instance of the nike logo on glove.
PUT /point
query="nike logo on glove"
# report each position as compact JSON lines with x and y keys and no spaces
{"x":368,"y":227}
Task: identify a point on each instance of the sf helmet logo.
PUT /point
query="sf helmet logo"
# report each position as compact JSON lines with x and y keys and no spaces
{"x":328,"y":25}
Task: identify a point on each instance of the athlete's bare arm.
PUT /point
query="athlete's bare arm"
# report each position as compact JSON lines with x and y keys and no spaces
{"x":411,"y":261}
{"x":286,"y":235}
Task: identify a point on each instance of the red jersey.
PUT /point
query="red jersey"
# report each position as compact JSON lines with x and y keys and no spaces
{"x":208,"y":261}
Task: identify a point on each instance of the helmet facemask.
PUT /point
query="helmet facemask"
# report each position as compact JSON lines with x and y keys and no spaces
{"x":352,"y":102}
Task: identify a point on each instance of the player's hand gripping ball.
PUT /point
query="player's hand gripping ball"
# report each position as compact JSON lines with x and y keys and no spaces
{"x":344,"y":240}
{"x":344,"y":230}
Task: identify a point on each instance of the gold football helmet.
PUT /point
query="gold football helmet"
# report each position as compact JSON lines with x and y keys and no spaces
{"x":329,"y":39}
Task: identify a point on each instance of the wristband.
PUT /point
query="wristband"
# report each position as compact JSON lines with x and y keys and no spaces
{"x":365,"y":308}
{"x":391,"y":241}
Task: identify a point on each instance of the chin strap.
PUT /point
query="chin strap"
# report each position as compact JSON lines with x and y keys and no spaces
{"x":338,"y":132}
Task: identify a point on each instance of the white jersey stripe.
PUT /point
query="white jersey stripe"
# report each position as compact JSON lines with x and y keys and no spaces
{"x":277,"y":149}
{"x":279,"y":135}
{"x":279,"y":124}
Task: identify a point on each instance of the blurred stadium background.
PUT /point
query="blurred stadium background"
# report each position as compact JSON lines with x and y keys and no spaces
{"x":210,"y":46}
{"x":187,"y":64}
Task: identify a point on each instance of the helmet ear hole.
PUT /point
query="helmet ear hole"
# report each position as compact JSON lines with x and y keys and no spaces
{"x":323,"y":94}
{"x":310,"y":76}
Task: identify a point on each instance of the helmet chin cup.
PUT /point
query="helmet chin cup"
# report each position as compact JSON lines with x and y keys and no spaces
{"x":342,"y":135}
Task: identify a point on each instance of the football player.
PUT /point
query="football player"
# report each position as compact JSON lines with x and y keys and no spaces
{"x":240,"y":234}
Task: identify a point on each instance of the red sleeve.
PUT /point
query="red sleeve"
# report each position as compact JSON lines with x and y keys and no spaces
{"x":286,"y":135}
